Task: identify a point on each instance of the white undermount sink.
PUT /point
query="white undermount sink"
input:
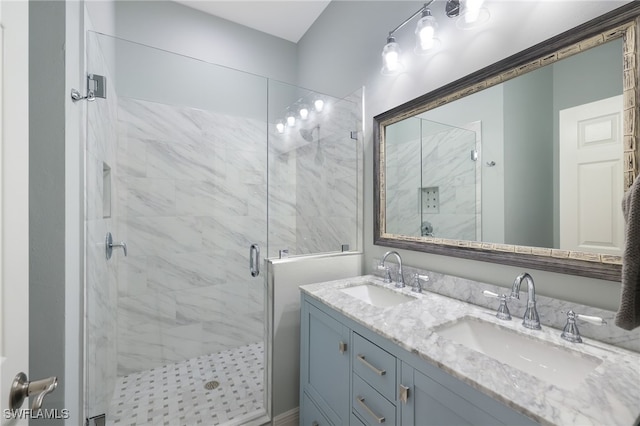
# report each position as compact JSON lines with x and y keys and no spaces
{"x":548,"y":362}
{"x":376,"y":295}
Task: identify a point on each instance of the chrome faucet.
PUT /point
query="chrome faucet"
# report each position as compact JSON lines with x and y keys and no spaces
{"x":531,"y":318}
{"x":400,"y":276}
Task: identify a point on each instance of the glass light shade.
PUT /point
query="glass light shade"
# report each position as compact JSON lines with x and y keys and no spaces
{"x":473,"y":4}
{"x":471,"y":19}
{"x":291,"y":120}
{"x":391,"y":64}
{"x":318,"y":105}
{"x":280,"y":126}
{"x":425,"y":33}
{"x":304,"y":112}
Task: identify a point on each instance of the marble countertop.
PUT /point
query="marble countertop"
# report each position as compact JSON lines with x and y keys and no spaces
{"x":609,"y":395}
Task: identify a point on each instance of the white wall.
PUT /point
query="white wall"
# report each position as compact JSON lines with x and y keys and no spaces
{"x":330,"y":60}
{"x":176,"y":28}
{"x":47,"y":197}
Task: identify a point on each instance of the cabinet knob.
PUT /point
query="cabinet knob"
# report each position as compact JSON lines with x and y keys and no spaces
{"x":342,"y":347}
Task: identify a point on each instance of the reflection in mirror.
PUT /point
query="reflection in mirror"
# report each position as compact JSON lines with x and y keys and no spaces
{"x":533,"y":180}
{"x":524,"y":162}
{"x":423,"y":197}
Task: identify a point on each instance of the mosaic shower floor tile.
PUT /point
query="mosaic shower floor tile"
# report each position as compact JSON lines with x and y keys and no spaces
{"x":224,"y":388}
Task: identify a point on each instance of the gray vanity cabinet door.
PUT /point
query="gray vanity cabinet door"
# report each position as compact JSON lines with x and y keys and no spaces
{"x":310,"y":414}
{"x":325,"y":363}
{"x":452,"y":403}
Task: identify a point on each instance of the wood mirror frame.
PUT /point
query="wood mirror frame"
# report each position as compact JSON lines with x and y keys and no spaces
{"x":624,"y":23}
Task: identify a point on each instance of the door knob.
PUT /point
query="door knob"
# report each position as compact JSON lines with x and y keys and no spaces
{"x":21,"y":388}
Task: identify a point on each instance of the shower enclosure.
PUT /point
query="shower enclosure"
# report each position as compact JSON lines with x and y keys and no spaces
{"x":189,"y":165}
{"x":423,"y":198}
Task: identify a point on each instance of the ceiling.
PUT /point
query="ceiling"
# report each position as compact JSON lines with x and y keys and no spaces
{"x":285,"y":19}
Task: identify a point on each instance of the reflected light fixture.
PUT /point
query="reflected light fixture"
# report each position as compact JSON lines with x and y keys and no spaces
{"x":291,"y":120}
{"x":473,"y":15}
{"x":318,"y":105}
{"x":304,"y":112}
{"x":280,"y":126}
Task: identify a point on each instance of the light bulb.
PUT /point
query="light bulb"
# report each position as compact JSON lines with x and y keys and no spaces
{"x":425,"y":33}
{"x":291,"y":120}
{"x":318,"y":105}
{"x":280,"y":126}
{"x":391,"y":64}
{"x":474,"y":4}
{"x":304,"y":112}
{"x":474,"y":14}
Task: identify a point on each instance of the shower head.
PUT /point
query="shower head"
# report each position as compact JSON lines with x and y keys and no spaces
{"x":307,"y":134}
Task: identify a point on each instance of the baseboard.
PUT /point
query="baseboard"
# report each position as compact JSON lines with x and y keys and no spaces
{"x":289,"y":418}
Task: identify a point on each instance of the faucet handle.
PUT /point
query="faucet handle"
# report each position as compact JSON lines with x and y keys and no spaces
{"x":570,"y":331}
{"x":387,"y":273}
{"x":415,"y":283}
{"x":503,"y":310}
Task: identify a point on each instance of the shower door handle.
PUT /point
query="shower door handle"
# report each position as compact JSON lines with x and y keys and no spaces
{"x":254,"y":260}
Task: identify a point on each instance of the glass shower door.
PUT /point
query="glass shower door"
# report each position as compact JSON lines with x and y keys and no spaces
{"x":176,"y":167}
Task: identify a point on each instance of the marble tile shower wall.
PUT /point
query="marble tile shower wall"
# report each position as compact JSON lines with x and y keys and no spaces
{"x":192,"y":198}
{"x":403,"y":167}
{"x":101,"y":275}
{"x":456,"y":216}
{"x":328,"y":181}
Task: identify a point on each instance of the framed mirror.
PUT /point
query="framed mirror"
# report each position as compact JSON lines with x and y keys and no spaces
{"x":523,"y":162}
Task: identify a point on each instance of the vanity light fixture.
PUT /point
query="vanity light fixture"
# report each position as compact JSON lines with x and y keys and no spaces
{"x":473,"y":15}
{"x":280,"y":126}
{"x":425,"y":32}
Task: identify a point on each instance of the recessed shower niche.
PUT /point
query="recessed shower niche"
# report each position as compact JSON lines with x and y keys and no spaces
{"x":429,"y":199}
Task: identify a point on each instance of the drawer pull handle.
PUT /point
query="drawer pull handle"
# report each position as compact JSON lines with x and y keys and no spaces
{"x":342,"y":347}
{"x":379,"y":419}
{"x":314,"y":423}
{"x":375,"y":370}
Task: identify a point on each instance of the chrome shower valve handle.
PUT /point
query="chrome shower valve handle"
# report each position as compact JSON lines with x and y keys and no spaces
{"x":109,"y":245}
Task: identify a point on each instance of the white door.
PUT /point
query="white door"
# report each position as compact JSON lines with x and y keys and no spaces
{"x":14,"y":211}
{"x":591,"y":177}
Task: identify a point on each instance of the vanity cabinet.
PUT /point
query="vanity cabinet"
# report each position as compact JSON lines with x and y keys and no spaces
{"x":324,"y":367}
{"x":351,"y":375}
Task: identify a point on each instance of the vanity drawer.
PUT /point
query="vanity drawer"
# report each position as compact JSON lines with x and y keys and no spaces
{"x":375,"y":365}
{"x":371,"y":407}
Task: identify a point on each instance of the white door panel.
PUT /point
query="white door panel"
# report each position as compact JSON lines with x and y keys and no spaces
{"x":591,"y":177}
{"x":14,"y":175}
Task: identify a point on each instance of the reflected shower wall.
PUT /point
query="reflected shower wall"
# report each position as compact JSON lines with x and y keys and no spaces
{"x":423,"y":197}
